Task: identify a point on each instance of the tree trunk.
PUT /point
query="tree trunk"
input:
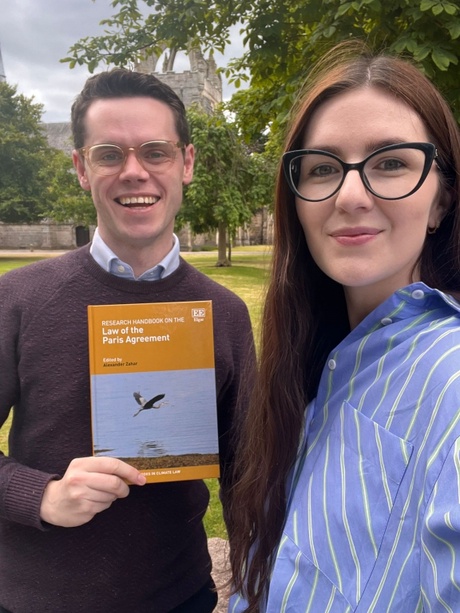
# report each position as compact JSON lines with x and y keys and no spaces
{"x":169,"y":64}
{"x":222,"y":259}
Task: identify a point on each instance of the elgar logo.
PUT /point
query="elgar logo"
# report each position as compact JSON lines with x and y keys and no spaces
{"x":198,"y":314}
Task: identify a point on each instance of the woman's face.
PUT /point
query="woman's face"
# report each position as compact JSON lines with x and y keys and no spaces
{"x":368,"y":244}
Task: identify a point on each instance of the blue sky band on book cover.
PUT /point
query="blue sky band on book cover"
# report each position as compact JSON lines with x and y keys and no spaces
{"x":153,"y":391}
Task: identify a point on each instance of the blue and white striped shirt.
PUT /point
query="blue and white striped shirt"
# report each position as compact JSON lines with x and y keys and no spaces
{"x":373,"y":522}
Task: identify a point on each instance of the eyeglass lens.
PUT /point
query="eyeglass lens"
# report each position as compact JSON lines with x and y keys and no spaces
{"x":389,"y":174}
{"x":109,"y":159}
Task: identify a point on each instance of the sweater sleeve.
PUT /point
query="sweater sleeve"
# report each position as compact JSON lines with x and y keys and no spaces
{"x":21,"y":487}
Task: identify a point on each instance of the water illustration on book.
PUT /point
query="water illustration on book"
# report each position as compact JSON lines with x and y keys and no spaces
{"x":154,"y":401}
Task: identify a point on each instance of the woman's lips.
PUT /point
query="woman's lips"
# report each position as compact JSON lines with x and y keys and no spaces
{"x":355,"y":236}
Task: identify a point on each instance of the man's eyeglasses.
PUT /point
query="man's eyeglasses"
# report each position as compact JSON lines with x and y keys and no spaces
{"x":106,"y":159}
{"x":390,"y":173}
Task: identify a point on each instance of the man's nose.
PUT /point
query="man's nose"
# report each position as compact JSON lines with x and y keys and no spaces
{"x":132,"y":165}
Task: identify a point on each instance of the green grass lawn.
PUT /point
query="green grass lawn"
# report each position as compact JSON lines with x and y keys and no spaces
{"x":247,"y":278}
{"x":10,"y":263}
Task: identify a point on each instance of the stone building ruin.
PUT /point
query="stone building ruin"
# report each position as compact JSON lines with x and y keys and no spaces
{"x":201,"y":85}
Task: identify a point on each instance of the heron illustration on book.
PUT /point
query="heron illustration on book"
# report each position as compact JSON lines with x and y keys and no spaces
{"x":148,"y":404}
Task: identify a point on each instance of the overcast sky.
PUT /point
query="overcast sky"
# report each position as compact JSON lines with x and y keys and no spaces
{"x":36,"y":34}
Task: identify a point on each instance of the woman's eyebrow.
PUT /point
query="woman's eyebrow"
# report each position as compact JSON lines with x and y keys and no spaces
{"x":369,"y":148}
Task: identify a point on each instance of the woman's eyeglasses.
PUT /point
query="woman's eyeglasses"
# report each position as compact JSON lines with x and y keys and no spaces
{"x":390,"y":173}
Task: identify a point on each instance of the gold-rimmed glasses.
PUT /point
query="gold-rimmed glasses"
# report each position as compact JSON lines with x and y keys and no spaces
{"x":108,"y":159}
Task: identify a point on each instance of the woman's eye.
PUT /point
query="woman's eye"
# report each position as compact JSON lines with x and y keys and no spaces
{"x":324,"y":170}
{"x":390,"y":164}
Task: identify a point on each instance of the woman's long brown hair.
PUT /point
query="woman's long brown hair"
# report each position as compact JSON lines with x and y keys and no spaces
{"x":305,"y":314}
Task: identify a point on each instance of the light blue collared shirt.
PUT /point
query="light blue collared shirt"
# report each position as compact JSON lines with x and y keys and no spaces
{"x":111,"y":263}
{"x":373,"y":521}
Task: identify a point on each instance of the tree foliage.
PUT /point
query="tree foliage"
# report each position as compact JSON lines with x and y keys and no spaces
{"x":23,"y":153}
{"x":221,"y":196}
{"x":65,"y":200}
{"x":36,"y":180}
{"x":282,"y":39}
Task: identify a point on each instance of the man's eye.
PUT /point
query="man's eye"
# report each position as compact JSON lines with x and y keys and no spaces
{"x":155,"y":155}
{"x":110,"y":156}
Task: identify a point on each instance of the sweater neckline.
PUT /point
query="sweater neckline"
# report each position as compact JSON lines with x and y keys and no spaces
{"x":130,"y":285}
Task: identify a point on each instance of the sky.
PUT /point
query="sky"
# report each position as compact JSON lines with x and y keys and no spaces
{"x":36,"y":34}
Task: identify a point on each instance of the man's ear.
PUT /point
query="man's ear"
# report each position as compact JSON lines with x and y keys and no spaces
{"x":79,"y":166}
{"x":189,"y":159}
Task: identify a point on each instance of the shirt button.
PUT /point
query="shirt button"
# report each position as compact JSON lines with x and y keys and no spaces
{"x":418,"y":294}
{"x":121,"y":268}
{"x":332,"y":364}
{"x":386,"y":321}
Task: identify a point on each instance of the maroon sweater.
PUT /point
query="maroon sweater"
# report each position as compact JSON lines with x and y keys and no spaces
{"x":147,"y":552}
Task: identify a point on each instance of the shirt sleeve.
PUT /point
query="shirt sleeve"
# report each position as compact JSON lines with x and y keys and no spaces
{"x":440,"y":550}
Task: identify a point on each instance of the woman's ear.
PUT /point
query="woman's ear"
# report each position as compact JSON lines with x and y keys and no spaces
{"x":440,"y":208}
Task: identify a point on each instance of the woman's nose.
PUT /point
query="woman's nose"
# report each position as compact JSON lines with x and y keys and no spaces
{"x":353,"y":194}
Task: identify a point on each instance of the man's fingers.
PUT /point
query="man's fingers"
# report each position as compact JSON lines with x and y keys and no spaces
{"x":110,"y":466}
{"x":90,"y":485}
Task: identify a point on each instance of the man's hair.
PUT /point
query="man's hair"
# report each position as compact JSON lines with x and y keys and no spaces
{"x":122,"y":83}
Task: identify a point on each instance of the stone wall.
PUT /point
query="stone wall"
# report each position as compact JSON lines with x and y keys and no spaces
{"x":42,"y":236}
{"x":192,"y":87}
{"x":201,"y":85}
{"x":54,"y":236}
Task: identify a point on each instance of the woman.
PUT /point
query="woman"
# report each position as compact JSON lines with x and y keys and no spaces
{"x":354,"y":504}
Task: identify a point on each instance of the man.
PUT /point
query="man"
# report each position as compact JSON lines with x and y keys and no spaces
{"x":81,"y":533}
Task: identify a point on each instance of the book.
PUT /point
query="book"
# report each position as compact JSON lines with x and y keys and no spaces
{"x":153,"y":389}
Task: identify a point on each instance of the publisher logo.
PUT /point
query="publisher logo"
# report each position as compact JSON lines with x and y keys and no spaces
{"x":198,"y":314}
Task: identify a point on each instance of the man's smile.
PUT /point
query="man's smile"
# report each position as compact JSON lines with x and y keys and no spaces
{"x":137,"y":201}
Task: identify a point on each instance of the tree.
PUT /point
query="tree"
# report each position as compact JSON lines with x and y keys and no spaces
{"x":23,"y":155}
{"x":282,"y":38}
{"x":217,"y":198}
{"x":36,"y":181}
{"x":65,"y":200}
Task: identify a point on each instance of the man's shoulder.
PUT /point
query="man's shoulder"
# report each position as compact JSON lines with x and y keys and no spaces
{"x":44,"y":273}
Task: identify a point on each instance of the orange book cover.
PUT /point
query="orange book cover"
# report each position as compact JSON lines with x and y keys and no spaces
{"x":153,"y":389}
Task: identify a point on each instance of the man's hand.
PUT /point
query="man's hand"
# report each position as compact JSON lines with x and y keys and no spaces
{"x":89,"y":486}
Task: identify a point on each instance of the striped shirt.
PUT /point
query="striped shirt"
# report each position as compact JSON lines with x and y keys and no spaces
{"x":373,"y":522}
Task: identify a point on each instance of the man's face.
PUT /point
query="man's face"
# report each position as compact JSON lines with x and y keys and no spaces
{"x":135,"y":207}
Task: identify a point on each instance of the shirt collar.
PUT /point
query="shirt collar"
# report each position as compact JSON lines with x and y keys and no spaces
{"x":410,"y":301}
{"x":420,"y":294}
{"x":111,"y":263}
